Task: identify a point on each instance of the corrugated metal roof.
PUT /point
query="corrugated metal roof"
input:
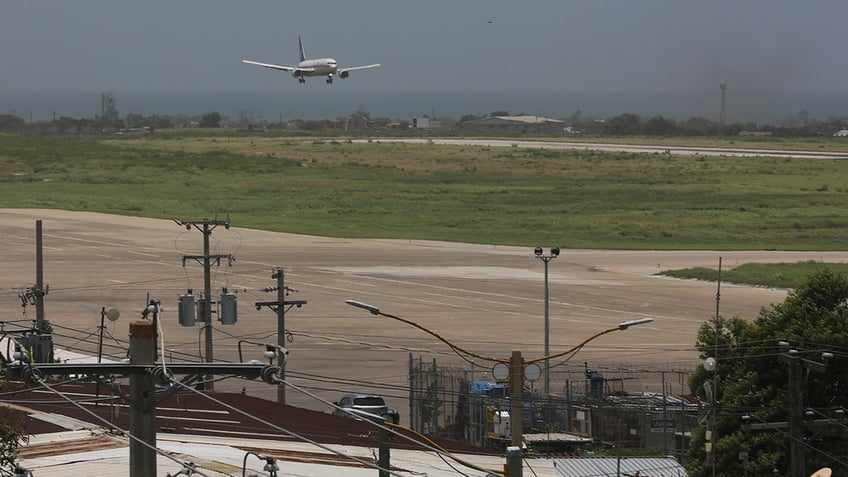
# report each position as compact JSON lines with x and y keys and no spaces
{"x":529,"y":119}
{"x":216,"y":456}
{"x":625,"y":467}
{"x":556,"y":437}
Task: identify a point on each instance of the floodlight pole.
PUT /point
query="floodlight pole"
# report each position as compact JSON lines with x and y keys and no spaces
{"x":547,"y":258}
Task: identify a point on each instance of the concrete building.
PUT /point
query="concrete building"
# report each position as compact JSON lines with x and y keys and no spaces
{"x":516,"y":125}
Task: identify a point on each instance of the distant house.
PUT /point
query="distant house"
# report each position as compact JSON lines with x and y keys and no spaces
{"x":516,"y":125}
{"x":425,"y":122}
{"x":841,"y":133}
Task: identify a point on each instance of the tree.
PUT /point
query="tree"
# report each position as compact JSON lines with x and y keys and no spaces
{"x":659,"y":126}
{"x":210,"y":120}
{"x":699,"y":126}
{"x":625,"y":124}
{"x":10,"y":122}
{"x":12,"y":437}
{"x":752,"y":381}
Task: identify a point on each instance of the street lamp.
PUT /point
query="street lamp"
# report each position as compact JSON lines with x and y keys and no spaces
{"x":270,"y":464}
{"x":554,"y":253}
{"x":113,"y":315}
{"x":517,"y":367}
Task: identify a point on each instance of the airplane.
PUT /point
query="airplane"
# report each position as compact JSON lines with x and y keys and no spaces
{"x":320,"y":67}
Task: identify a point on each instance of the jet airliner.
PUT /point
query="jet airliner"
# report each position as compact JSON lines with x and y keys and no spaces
{"x":320,"y":67}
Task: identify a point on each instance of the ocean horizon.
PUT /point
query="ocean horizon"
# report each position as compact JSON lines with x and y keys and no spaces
{"x":332,"y":102}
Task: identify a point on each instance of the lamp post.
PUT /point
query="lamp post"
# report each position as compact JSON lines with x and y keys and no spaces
{"x":270,"y":464}
{"x":113,"y":315}
{"x":516,"y":374}
{"x":554,"y":253}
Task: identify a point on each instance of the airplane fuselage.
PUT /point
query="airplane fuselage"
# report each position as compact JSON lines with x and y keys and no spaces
{"x":320,"y":67}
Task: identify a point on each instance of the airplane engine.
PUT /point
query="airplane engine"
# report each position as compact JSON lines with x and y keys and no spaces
{"x":344,"y":74}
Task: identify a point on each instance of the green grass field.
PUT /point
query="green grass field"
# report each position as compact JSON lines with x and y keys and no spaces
{"x":775,"y":275}
{"x":327,"y":186}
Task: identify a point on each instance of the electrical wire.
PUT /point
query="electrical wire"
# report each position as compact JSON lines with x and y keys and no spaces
{"x":286,"y":431}
{"x":184,"y":465}
{"x":371,"y":384}
{"x":429,"y":444}
{"x":804,"y":443}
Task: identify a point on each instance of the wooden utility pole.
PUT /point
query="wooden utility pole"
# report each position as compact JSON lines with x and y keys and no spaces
{"x":514,"y":458}
{"x":143,"y":397}
{"x":796,"y":423}
{"x":207,"y":226}
{"x":39,"y":278}
{"x":279,"y":307}
{"x":142,"y":371}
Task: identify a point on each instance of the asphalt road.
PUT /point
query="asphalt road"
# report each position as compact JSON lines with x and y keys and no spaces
{"x":487,"y":299}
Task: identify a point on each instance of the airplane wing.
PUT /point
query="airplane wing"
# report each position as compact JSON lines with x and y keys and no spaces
{"x":354,"y":68}
{"x":268,"y":65}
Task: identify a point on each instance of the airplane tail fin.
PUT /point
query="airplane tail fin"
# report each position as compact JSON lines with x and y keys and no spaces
{"x":302,"y":55}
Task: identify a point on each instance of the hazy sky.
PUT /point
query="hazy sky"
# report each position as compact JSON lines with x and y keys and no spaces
{"x":434,"y":45}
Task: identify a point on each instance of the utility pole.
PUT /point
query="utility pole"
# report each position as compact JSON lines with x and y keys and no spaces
{"x":514,"y":458}
{"x":206,"y":227}
{"x":39,"y":343}
{"x":143,"y":397}
{"x":279,"y":306}
{"x":796,"y":422}
{"x":39,"y":278}
{"x":796,"y":403}
{"x":144,"y":374}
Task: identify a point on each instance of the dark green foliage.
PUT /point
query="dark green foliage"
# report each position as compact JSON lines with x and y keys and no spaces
{"x":12,"y":437}
{"x":752,"y":381}
{"x":210,"y":120}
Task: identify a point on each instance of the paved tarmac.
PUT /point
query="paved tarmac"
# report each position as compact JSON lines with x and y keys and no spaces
{"x":635,"y":148}
{"x":487,"y":299}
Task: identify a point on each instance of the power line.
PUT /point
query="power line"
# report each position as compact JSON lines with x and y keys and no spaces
{"x":184,"y":465}
{"x":283,"y":430}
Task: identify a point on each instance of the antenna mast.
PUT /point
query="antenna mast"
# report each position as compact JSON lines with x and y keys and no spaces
{"x":722,"y":115}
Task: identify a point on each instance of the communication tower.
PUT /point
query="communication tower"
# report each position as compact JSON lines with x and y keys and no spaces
{"x":108,"y":111}
{"x":722,"y":115}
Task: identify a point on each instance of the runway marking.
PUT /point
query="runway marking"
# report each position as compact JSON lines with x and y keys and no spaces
{"x":468,"y":272}
{"x":142,"y":253}
{"x":570,"y":317}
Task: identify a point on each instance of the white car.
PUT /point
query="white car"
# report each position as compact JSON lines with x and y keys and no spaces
{"x":367,"y":403}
